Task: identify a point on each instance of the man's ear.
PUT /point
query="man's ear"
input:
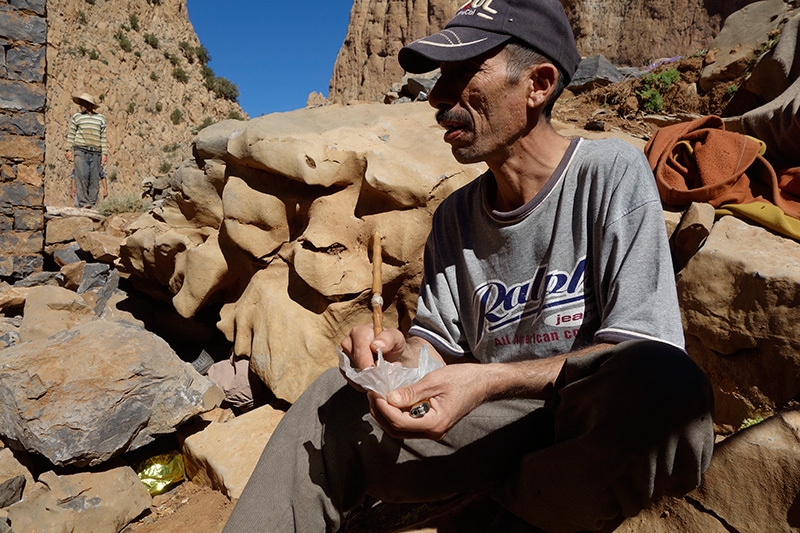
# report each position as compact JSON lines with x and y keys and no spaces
{"x":541,"y":83}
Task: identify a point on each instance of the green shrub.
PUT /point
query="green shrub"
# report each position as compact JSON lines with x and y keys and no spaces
{"x":221,"y":87}
{"x":749,"y":422}
{"x":134,"y":22}
{"x":172,"y":147}
{"x":173,"y":59}
{"x":94,"y":54}
{"x":202,"y":54}
{"x":208,"y":121}
{"x":82,"y":18}
{"x":151,"y":40}
{"x":137,"y":53}
{"x":731,"y":90}
{"x":653,"y":86}
{"x":235,"y":115}
{"x":123,"y":40}
{"x":153,"y":76}
{"x":188,"y":51}
{"x":224,"y":88}
{"x":165,"y":167}
{"x":128,"y":203}
{"x":91,"y":2}
{"x":131,"y":108}
{"x":651,"y":100}
{"x":176,"y":116}
{"x":159,"y":107}
{"x":180,"y":75}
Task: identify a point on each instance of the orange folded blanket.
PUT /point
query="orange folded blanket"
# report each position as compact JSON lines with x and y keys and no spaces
{"x":699,"y":161}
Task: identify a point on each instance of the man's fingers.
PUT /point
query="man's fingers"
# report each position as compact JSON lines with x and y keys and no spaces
{"x":400,"y":424}
{"x":391,"y":342}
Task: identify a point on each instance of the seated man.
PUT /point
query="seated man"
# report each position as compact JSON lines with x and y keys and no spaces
{"x":548,"y":291}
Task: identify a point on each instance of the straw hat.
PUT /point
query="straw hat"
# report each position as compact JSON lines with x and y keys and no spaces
{"x":85,"y":99}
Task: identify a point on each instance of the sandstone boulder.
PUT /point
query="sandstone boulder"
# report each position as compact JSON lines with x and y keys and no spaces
{"x":59,"y":230}
{"x":219,"y":458}
{"x":738,"y":297}
{"x":49,"y":310}
{"x":102,"y":502}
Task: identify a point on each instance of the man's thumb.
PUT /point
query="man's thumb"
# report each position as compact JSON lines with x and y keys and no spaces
{"x":400,"y":398}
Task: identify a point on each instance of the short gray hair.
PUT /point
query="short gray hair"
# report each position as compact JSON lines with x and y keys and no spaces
{"x":519,"y":57}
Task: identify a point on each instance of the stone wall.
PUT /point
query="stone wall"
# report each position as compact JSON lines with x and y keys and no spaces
{"x":23,"y":32}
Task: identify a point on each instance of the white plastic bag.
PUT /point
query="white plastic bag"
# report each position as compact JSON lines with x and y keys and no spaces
{"x":385,"y":376}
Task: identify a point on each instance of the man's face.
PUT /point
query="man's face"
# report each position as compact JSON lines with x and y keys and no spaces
{"x":482,"y":112}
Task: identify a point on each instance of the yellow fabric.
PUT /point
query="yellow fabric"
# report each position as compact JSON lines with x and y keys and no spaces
{"x":768,"y":215}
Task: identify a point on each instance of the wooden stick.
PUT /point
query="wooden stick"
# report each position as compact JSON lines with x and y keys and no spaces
{"x":377,"y":284}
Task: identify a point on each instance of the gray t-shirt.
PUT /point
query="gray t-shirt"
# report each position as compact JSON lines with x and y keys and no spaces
{"x":586,"y":260}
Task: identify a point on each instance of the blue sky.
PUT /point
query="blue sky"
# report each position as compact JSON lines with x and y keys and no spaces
{"x":276,"y":51}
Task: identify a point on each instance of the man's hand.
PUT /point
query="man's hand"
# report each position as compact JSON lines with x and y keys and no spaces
{"x":452,"y":391}
{"x":69,"y":156}
{"x":104,"y":160}
{"x":362,"y":345}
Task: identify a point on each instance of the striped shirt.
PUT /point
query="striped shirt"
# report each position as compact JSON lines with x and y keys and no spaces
{"x":88,"y":131}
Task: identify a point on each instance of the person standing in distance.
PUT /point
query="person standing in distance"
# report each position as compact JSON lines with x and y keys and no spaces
{"x":87,"y":146}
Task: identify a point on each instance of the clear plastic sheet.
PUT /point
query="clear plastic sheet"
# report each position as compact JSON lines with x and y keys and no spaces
{"x":385,"y":376}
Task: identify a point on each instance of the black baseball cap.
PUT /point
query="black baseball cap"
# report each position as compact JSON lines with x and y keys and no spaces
{"x":481,"y":25}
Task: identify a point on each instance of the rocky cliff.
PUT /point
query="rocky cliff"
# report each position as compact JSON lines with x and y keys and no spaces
{"x":144,"y":64}
{"x":627,"y":32}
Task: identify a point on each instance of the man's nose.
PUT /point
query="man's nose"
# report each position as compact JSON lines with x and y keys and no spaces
{"x":441,"y":95}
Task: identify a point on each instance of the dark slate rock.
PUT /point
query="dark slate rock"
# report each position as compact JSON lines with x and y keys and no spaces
{"x":20,"y":194}
{"x":94,"y":276}
{"x":29,"y":124}
{"x":28,"y":219}
{"x":37,"y":279}
{"x":419,"y":88}
{"x":68,"y":255}
{"x":24,"y":265}
{"x":20,"y":96}
{"x":106,"y":292}
{"x":594,"y":71}
{"x":11,"y":490}
{"x":25,"y":63}
{"x":21,"y":27}
{"x":37,"y":6}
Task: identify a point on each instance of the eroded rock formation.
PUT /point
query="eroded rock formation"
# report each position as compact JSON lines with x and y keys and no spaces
{"x":273,"y":222}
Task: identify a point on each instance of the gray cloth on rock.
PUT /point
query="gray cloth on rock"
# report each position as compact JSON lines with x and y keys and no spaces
{"x":777,"y":122}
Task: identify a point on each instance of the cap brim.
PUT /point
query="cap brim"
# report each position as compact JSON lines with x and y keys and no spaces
{"x":455,"y":43}
{"x":81,"y":101}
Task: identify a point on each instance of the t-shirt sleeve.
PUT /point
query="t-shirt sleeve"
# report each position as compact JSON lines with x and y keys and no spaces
{"x":637,"y":295}
{"x":437,"y":320}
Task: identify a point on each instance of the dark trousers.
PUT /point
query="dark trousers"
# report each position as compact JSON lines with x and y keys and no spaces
{"x":87,"y":175}
{"x":625,"y":426}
